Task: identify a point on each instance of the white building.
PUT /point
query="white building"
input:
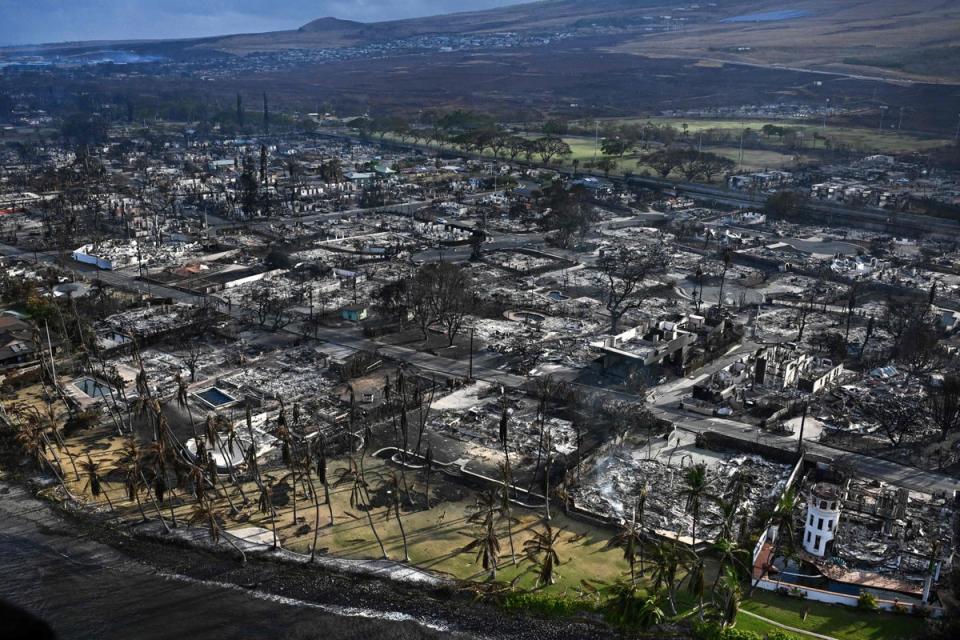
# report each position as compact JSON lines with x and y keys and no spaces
{"x":823,"y":514}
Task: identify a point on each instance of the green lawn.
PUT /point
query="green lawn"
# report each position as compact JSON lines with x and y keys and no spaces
{"x":844,"y":623}
{"x":868,"y":140}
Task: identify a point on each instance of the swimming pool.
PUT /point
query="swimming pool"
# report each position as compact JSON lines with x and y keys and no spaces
{"x":93,"y":388}
{"x":216,"y":397}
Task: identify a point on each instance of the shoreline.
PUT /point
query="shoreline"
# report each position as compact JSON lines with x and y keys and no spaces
{"x":336,"y":586}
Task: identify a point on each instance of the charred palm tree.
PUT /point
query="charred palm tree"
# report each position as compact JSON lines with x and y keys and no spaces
{"x":352,"y":476}
{"x":629,"y":539}
{"x":136,"y":480}
{"x":95,"y":483}
{"x":504,"y":493}
{"x":320,"y":459}
{"x":541,"y":551}
{"x":393,"y":505}
{"x":428,"y":470}
{"x":204,"y":512}
{"x":485,"y":514}
{"x":668,"y":559}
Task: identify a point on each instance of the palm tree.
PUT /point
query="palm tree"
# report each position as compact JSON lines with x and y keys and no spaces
{"x":727,"y":257}
{"x":507,"y":481}
{"x":696,"y":583}
{"x":727,"y":598}
{"x":352,"y":475}
{"x":696,"y":491}
{"x":731,"y":557}
{"x":394,"y":505}
{"x":782,"y":519}
{"x":129,"y":465}
{"x":204,"y":512}
{"x":487,"y":543}
{"x":320,"y":456}
{"x":95,"y":482}
{"x":629,"y":540}
{"x":668,"y":559}
{"x":629,"y":610}
{"x":541,"y":551}
{"x":428,"y":470}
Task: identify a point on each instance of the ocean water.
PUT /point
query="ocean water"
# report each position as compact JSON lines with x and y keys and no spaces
{"x":87,"y":590}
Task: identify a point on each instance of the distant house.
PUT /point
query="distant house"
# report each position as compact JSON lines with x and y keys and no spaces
{"x":354,"y":312}
{"x":16,"y":343}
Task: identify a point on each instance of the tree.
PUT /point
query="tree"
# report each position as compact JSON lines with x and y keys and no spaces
{"x":727,"y":259}
{"x":712,"y":164}
{"x":393,"y":505}
{"x":616,"y":146}
{"x":541,"y":551}
{"x":784,"y":204}
{"x":249,"y":189}
{"x":625,"y":270}
{"x":486,"y":511}
{"x":697,"y":489}
{"x":567,"y":214}
{"x":442,"y":292}
{"x":727,"y":594}
{"x":897,"y":416}
{"x":204,"y":512}
{"x":95,"y":482}
{"x":663,"y":161}
{"x":630,"y":540}
{"x":550,"y":147}
{"x":943,"y":405}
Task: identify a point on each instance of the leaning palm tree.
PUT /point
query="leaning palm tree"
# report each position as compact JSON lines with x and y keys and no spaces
{"x":730,"y":556}
{"x":95,"y":483}
{"x":487,"y":543}
{"x":541,"y":551}
{"x":205,"y":512}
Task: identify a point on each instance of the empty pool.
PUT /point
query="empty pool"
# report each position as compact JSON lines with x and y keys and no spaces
{"x":93,"y":388}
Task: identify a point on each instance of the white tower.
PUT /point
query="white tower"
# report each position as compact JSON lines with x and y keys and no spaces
{"x":823,"y":512}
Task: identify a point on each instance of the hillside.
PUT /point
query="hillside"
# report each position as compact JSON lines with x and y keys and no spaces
{"x":886,"y":38}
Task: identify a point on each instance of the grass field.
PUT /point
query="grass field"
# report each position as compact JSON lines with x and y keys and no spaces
{"x":843,"y":623}
{"x":858,"y":139}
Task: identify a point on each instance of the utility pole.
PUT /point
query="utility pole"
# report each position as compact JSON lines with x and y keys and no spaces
{"x":740,"y":158}
{"x":900,"y":121}
{"x":883,"y":112}
{"x":596,"y":139}
{"x":825,"y":113}
{"x":470,"y":375}
{"x":803,"y":420}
